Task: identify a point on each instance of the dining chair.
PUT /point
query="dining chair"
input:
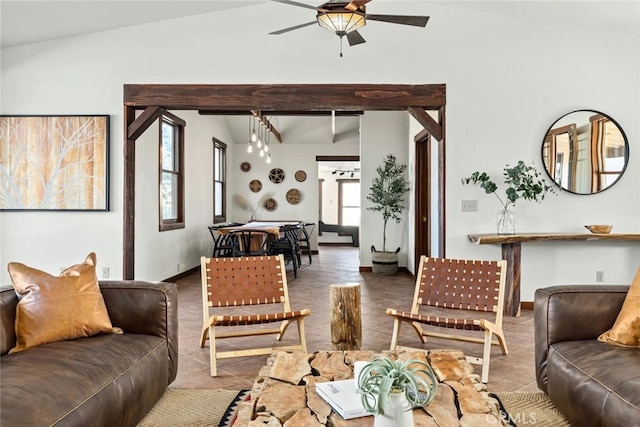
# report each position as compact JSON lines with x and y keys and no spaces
{"x":222,"y":242}
{"x":229,"y":284}
{"x":457,"y":294}
{"x":250,"y":242}
{"x":287,"y":246}
{"x":304,"y":236}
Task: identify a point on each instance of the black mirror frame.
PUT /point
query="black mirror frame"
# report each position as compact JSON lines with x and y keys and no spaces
{"x":626,"y":144}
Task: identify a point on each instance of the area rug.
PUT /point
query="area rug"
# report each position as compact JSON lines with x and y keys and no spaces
{"x":194,"y":408}
{"x":530,"y":409}
{"x":202,"y":408}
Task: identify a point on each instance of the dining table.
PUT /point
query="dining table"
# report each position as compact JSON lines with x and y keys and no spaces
{"x":256,"y":241}
{"x":272,"y":227}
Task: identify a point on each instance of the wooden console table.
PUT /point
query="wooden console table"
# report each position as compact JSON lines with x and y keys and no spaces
{"x":511,"y":251}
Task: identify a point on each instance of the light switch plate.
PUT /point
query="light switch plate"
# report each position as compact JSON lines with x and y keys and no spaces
{"x":469,"y":206}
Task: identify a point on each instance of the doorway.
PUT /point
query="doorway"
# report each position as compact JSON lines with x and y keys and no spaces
{"x":339,"y":198}
{"x":153,"y":99}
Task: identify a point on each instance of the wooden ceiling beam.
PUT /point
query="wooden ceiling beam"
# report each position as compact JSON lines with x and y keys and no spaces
{"x":305,"y":97}
{"x":281,"y":113}
{"x":266,"y":123}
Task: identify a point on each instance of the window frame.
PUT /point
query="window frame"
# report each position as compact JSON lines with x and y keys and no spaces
{"x":178,"y":145}
{"x":341,"y":182}
{"x":219,"y":145}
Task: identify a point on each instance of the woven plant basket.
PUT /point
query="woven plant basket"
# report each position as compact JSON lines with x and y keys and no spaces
{"x":384,"y":263}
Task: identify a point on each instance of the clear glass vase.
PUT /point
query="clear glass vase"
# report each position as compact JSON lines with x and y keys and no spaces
{"x":505,"y":222}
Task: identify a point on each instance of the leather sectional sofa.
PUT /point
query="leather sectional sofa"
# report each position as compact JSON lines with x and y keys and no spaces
{"x":103,"y":380}
{"x":592,"y":383}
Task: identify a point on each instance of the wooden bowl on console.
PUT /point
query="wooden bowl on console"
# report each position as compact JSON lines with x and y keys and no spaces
{"x":599,"y":228}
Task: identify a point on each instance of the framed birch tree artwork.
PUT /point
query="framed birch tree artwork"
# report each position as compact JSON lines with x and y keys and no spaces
{"x":54,"y":163}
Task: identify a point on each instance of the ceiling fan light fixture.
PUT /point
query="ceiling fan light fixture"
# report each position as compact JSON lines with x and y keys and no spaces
{"x":341,"y":22}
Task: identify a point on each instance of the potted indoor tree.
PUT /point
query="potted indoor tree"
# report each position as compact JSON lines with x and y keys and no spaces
{"x":523,"y":182}
{"x":390,"y":389}
{"x":387,"y":193}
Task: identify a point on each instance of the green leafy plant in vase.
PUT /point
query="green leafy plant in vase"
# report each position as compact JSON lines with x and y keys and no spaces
{"x":387,"y":194}
{"x":390,"y":389}
{"x":523,"y":182}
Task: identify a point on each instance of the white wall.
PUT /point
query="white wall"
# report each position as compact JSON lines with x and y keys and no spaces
{"x":508,"y":78}
{"x":383,"y":133}
{"x":159,"y":255}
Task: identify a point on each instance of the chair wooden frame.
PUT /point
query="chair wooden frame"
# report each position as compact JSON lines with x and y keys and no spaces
{"x":246,"y":281}
{"x":460,"y":285}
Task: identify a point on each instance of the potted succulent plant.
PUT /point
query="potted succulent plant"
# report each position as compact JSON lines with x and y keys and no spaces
{"x":387,"y":193}
{"x":523,"y":182}
{"x":390,"y":389}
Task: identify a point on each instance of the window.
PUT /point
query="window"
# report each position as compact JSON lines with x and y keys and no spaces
{"x":219,"y":181}
{"x":348,"y":201}
{"x":171,"y":172}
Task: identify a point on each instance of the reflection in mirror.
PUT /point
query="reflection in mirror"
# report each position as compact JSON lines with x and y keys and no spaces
{"x":585,"y":152}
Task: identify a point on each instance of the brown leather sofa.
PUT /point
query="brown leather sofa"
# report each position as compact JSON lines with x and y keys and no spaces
{"x":105,"y":380}
{"x":590,"y":382}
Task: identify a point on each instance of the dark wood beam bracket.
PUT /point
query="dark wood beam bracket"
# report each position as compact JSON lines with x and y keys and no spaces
{"x":427,"y":122}
{"x":142,"y":123}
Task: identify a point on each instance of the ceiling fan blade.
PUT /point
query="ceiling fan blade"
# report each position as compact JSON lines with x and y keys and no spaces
{"x":295,"y":27}
{"x":295,"y":3}
{"x":355,"y":38}
{"x":356,"y":4}
{"x":416,"y":21}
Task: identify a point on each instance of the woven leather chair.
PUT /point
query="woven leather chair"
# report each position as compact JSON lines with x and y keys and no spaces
{"x":470,"y":291}
{"x":230,"y":283}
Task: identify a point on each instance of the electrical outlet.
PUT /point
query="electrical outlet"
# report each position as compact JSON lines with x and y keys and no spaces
{"x":599,"y":276}
{"x":469,"y":206}
{"x":105,"y":272}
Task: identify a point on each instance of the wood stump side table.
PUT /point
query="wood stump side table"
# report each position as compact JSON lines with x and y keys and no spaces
{"x":346,"y":319}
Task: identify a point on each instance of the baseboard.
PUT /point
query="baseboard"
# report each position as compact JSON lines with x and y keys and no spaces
{"x":401,"y":270}
{"x":526,"y":305}
{"x":182,"y":275}
{"x":335,"y":244}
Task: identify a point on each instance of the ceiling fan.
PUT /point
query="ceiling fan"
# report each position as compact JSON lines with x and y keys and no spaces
{"x":344,"y":18}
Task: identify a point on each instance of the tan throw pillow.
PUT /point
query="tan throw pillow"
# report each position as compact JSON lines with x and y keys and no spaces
{"x":626,"y":330}
{"x":58,"y":308}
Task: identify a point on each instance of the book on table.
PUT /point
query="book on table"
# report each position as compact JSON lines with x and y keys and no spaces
{"x":343,"y":397}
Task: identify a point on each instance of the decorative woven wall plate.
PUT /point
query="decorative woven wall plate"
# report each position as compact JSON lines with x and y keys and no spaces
{"x":294,"y":196}
{"x":245,"y":166}
{"x":276,"y":175}
{"x":270,"y":205}
{"x":255,"y":186}
{"x":301,"y":176}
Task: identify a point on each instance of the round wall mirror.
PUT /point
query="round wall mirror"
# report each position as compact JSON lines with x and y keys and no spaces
{"x":585,"y":152}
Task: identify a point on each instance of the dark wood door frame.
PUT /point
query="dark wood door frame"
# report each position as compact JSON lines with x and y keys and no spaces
{"x":154,"y":98}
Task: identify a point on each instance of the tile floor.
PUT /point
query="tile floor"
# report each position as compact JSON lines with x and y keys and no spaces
{"x":513,"y":372}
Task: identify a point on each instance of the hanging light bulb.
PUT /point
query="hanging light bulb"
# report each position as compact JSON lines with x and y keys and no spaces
{"x":266,"y":141}
{"x":250,"y":146}
{"x":254,"y":137}
{"x":259,"y":143}
{"x":269,"y":158}
{"x":261,"y":153}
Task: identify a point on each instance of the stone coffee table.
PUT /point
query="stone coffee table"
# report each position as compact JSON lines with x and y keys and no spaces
{"x":284,"y":394}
